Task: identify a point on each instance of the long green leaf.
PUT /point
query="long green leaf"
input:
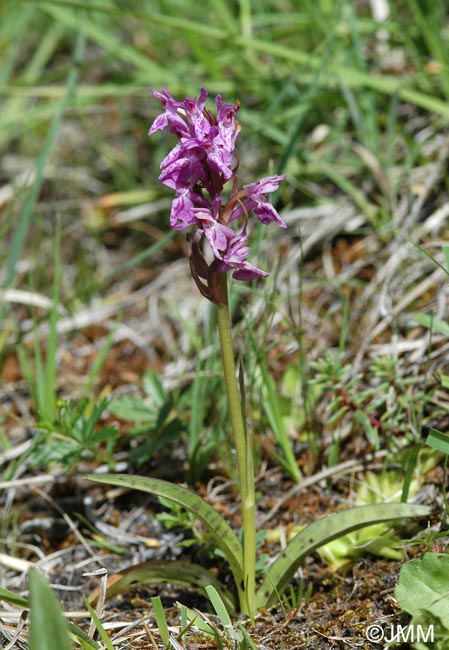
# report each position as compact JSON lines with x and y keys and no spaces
{"x":48,"y":627}
{"x":232,"y":634}
{"x":217,"y":527}
{"x":176,"y":572}
{"x":17,"y":601}
{"x":321,"y":532}
{"x":13,"y":599}
{"x":434,"y":324}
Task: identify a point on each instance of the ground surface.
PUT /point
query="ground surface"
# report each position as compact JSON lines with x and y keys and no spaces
{"x":44,"y":508}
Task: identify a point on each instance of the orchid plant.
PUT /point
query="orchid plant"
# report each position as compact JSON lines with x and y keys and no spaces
{"x":209,"y":202}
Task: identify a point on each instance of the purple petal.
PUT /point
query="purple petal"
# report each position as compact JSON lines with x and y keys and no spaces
{"x":170,"y":116}
{"x":225,"y":112}
{"x":258,"y":202}
{"x":248,"y":272}
{"x":182,"y":214}
{"x":266,"y":214}
{"x":263,"y":186}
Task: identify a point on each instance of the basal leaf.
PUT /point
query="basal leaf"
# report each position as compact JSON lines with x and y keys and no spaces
{"x":321,"y":532}
{"x":217,"y":527}
{"x":135,"y":409}
{"x":180,"y":573}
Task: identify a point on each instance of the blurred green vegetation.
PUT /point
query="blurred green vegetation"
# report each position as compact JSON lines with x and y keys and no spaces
{"x":331,"y":94}
{"x":76,"y":77}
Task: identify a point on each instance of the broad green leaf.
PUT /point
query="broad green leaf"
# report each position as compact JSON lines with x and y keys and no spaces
{"x":321,"y":532}
{"x":176,"y":572}
{"x":217,"y":527}
{"x":22,"y":603}
{"x":48,"y":627}
{"x":219,"y":606}
{"x":424,"y":587}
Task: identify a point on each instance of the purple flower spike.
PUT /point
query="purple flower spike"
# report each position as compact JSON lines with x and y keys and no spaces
{"x":197,"y":169}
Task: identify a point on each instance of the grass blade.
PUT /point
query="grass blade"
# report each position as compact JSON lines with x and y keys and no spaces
{"x":101,"y":631}
{"x":271,"y":405}
{"x":438,"y":440}
{"x":48,"y":627}
{"x":161,"y":621}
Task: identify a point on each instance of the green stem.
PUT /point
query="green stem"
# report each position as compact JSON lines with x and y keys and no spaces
{"x":243,"y":453}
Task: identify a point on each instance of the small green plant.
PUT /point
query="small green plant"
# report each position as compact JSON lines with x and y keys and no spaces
{"x":155,"y":417}
{"x":67,"y":431}
{"x":223,"y":631}
{"x":162,"y":416}
{"x":201,"y":202}
{"x":380,"y":539}
{"x":379,"y":401}
{"x":75,"y":434}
